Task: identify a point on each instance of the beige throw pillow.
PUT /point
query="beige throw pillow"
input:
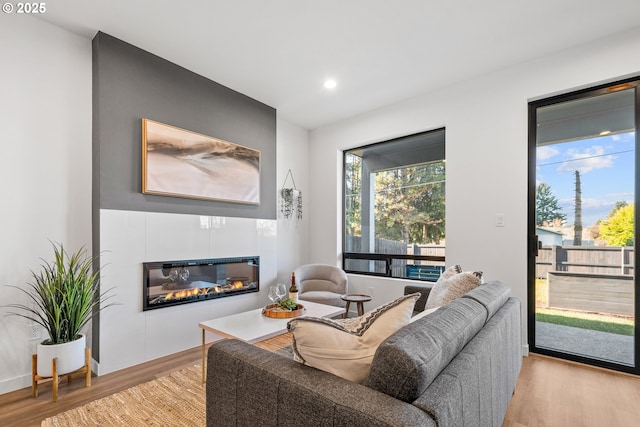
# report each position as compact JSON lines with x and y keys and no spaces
{"x":345,"y":347}
{"x":439,"y":288}
{"x":452,"y":286}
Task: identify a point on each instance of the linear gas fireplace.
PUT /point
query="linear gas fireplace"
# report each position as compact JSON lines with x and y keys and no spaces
{"x":168,"y":283}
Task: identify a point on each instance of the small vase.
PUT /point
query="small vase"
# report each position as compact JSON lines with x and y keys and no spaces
{"x":70,"y":355}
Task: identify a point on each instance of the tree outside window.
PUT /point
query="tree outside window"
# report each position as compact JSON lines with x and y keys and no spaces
{"x":394,"y":201}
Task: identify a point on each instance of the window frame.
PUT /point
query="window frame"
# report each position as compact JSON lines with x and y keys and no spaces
{"x":373,"y":256}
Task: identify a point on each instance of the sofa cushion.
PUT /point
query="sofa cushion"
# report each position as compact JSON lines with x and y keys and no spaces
{"x":450,"y":287}
{"x":346,"y":347}
{"x":474,"y":389}
{"x":424,"y":313}
{"x":491,"y":295}
{"x":407,"y":362}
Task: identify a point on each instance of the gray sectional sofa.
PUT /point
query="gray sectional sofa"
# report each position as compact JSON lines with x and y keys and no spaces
{"x":455,"y":367}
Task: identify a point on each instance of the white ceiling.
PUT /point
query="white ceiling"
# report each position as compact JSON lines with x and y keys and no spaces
{"x":379,"y":51}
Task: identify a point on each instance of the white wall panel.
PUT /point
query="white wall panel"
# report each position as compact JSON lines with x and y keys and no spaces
{"x":129,"y":335}
{"x":175,"y":237}
{"x":173,"y":329}
{"x":234,"y":237}
{"x":123,"y":249}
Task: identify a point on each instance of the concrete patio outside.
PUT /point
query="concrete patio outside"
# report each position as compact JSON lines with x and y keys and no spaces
{"x":586,"y":342}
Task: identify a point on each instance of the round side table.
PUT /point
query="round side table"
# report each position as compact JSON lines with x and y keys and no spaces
{"x":359,"y":299}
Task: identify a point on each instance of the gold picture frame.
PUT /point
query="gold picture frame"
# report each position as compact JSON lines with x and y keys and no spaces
{"x":180,"y":163}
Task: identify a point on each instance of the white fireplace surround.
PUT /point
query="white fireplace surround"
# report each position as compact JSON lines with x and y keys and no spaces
{"x":129,"y":336}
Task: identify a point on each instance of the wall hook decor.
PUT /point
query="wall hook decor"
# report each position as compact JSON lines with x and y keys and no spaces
{"x":290,"y":199}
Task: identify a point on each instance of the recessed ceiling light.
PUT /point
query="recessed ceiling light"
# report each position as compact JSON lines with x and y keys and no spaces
{"x":330,"y":84}
{"x":605,"y":132}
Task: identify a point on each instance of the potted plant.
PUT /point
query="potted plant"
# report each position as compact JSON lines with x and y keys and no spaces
{"x":63,"y":297}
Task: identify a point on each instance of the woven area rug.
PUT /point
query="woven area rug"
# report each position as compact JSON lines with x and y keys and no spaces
{"x":177,"y":399}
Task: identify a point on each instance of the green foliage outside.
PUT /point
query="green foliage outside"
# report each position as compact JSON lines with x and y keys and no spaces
{"x":409,"y":202}
{"x":617,"y":229}
{"x":594,"y":324}
{"x":547,"y":208}
{"x":353,"y":196}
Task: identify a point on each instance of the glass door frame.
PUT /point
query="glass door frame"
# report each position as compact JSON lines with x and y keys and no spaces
{"x":532,"y":244}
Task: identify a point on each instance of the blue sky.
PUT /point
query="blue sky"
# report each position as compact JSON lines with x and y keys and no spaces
{"x":606,"y":166}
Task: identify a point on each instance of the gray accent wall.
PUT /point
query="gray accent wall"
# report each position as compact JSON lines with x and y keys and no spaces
{"x":131,"y":84}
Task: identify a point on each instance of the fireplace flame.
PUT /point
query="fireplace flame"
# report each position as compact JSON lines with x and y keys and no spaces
{"x":186,"y":293}
{"x":182,"y":294}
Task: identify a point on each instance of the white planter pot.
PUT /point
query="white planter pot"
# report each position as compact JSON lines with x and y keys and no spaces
{"x":70,"y":357}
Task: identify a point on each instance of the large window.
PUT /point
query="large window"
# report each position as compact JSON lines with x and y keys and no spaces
{"x":394,"y":207}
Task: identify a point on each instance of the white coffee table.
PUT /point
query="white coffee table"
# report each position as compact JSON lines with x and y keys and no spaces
{"x":252,"y":326}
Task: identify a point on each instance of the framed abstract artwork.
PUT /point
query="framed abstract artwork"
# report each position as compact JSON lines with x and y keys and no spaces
{"x":180,"y":163}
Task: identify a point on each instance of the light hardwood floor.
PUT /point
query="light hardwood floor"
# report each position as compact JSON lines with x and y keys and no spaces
{"x":549,"y":392}
{"x":552,"y":392}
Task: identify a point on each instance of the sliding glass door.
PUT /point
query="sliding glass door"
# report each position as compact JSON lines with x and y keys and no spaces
{"x":582,"y":229}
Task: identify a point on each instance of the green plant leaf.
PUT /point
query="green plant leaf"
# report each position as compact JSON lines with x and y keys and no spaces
{"x":66,"y":295}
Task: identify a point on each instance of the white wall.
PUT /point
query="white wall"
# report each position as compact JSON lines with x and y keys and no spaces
{"x":293,"y":153}
{"x":486,"y":150}
{"x":45,"y":132}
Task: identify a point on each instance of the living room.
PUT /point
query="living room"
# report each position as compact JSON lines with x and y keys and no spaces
{"x":49,"y":115}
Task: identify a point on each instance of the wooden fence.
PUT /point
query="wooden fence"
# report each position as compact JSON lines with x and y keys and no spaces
{"x":585,"y":259}
{"x":597,"y":293}
{"x":433,"y":250}
{"x":384,"y":246}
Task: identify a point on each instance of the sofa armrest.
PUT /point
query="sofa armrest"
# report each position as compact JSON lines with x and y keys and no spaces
{"x":247,"y":385}
{"x":424,"y":294}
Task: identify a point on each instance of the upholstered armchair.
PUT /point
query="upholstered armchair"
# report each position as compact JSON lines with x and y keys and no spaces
{"x":321,"y":283}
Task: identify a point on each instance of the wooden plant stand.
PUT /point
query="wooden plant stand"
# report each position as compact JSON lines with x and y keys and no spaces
{"x":86,"y":369}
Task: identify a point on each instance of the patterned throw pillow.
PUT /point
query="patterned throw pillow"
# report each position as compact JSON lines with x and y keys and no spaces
{"x":345,"y":347}
{"x":452,"y":284}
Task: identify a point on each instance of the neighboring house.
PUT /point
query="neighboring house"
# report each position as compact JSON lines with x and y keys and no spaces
{"x":562,"y":236}
{"x":587,"y":236}
{"x":549,"y":237}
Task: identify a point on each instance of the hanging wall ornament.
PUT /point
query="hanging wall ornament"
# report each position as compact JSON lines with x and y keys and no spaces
{"x":290,"y":199}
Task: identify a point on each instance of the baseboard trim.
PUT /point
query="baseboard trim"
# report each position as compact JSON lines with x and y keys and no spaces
{"x":17,"y":383}
{"x":95,"y":367}
{"x":525,"y":350}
